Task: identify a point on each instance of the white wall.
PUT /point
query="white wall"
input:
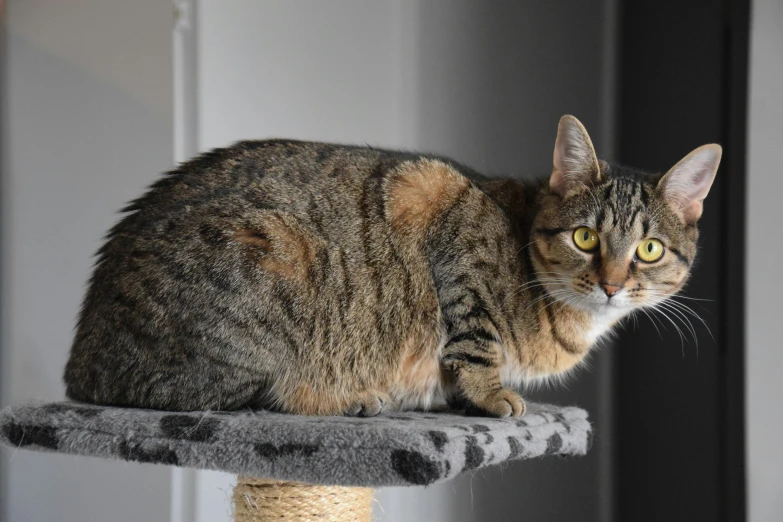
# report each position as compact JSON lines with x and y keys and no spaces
{"x":483,"y":82}
{"x":765,"y":265}
{"x":86,"y":124}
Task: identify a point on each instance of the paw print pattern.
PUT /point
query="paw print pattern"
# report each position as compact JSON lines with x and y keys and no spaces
{"x":390,"y":449}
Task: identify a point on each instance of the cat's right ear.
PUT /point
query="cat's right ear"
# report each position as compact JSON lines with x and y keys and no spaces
{"x":575,"y":165}
{"x":686,"y":185}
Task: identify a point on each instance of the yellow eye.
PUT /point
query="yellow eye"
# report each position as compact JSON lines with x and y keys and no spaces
{"x":586,"y":239}
{"x":649,"y":250}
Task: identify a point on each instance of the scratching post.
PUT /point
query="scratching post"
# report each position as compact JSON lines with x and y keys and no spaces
{"x":260,"y":500}
{"x":294,"y":467}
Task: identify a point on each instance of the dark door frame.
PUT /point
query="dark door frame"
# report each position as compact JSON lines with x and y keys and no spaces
{"x":682,"y":81}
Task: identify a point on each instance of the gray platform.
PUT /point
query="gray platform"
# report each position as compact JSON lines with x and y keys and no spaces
{"x":393,"y":449}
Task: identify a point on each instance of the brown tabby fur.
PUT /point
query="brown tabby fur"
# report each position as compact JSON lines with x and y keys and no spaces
{"x":327,"y":279}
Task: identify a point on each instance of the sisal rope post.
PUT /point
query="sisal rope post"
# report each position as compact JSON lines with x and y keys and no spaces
{"x":261,"y":500}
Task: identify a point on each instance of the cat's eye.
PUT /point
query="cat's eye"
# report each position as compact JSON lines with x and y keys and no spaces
{"x":586,"y":239}
{"x":649,"y":250}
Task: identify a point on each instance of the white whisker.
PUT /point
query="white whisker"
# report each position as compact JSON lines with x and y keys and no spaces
{"x":685,"y":321}
{"x":687,"y":309}
{"x":650,"y":317}
{"x":679,"y":331}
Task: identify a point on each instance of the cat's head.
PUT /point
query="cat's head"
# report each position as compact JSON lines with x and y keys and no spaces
{"x":610,"y":239}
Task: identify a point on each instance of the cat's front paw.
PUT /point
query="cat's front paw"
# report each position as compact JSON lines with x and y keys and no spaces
{"x":368,"y":405}
{"x":501,"y":403}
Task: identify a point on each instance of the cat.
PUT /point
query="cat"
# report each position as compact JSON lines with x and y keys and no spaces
{"x":326,"y":279}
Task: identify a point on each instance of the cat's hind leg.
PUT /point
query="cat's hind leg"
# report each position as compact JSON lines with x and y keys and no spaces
{"x":316,"y":397}
{"x":368,"y":404}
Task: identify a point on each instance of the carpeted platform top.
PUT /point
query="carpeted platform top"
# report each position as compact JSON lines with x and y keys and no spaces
{"x":394,"y":449}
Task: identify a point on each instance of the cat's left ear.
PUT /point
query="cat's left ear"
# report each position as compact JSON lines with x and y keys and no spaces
{"x":686,"y":185}
{"x":575,"y":165}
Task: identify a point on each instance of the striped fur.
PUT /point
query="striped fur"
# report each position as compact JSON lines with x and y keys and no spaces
{"x":327,"y":279}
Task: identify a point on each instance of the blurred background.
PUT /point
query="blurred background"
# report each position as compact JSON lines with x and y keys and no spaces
{"x":101,"y":96}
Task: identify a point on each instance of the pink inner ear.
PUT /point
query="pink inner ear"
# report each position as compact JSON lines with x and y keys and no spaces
{"x":687,"y":184}
{"x":561,"y":161}
{"x":574,"y":159}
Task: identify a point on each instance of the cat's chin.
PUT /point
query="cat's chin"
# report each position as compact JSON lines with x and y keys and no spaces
{"x":610,"y":310}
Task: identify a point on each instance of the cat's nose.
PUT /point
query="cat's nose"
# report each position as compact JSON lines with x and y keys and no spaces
{"x":610,"y":289}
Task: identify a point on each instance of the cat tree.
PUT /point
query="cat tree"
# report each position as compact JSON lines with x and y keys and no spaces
{"x":300,"y":468}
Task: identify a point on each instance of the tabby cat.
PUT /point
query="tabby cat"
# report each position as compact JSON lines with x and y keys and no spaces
{"x":327,"y":279}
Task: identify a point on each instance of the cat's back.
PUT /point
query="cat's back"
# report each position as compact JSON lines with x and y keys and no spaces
{"x":236,"y":260}
{"x":261,"y":170}
{"x":326,"y":184}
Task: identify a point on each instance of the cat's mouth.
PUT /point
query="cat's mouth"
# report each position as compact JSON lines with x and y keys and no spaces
{"x":611,"y":306}
{"x":599,"y":304}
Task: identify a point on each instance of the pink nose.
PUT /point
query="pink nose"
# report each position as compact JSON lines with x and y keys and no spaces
{"x":610,"y":290}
